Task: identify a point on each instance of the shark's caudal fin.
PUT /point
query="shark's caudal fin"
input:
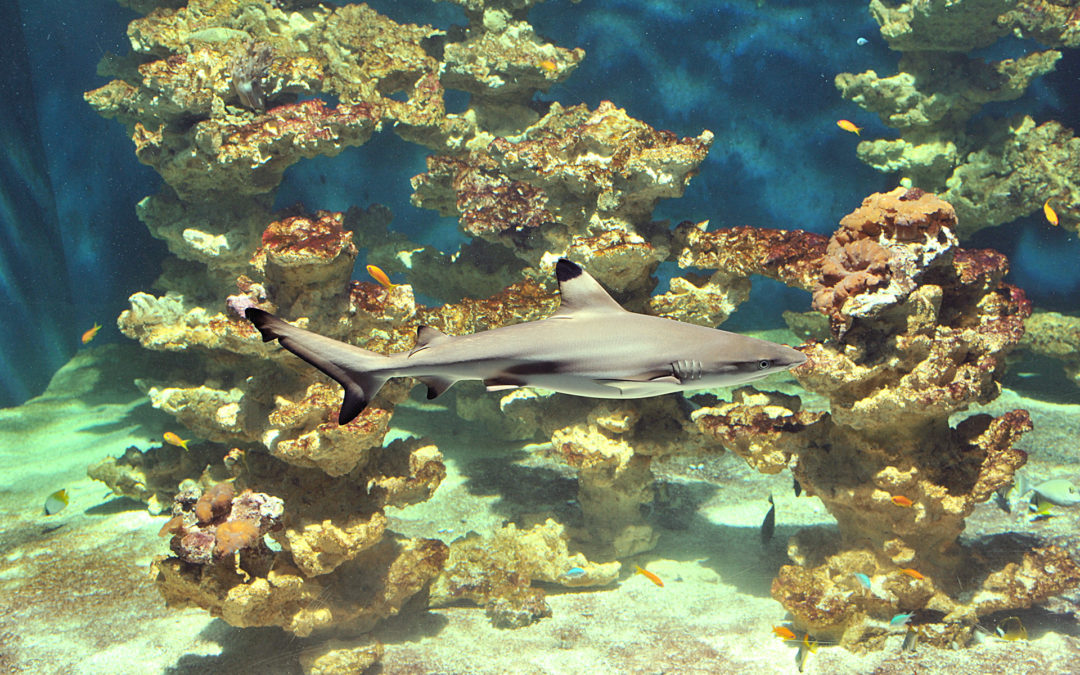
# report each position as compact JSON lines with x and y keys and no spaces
{"x":349,"y":366}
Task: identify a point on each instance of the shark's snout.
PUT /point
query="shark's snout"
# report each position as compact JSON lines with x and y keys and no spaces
{"x":793,"y":357}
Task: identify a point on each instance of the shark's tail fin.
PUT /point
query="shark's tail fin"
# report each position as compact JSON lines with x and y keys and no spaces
{"x":358,"y":370}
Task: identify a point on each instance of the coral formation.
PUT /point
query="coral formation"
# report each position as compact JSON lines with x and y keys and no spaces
{"x":920,"y":329}
{"x":1056,"y":336}
{"x":497,"y":571}
{"x":154,"y":476}
{"x":222,"y":96}
{"x":340,"y":657}
{"x":997,"y":170}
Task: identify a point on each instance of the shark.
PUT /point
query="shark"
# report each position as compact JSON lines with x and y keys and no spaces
{"x":591,"y":346}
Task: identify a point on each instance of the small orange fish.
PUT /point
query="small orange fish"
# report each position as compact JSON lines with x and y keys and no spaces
{"x":914,"y":574}
{"x":89,"y":335}
{"x":848,"y":125}
{"x":380,"y":276}
{"x":173,"y":439}
{"x":784,"y":633}
{"x":547,"y":65}
{"x":901,"y":500}
{"x":1050,"y":213}
{"x":649,"y":575}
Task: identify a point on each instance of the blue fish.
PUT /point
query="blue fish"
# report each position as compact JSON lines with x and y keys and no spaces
{"x":899,"y":620}
{"x":574,"y":573}
{"x":864,"y":580}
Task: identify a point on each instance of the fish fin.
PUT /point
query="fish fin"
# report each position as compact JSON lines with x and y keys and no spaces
{"x":349,"y":366}
{"x":580,"y":292}
{"x":436,"y":385}
{"x":656,"y":376}
{"x":427,"y":336}
{"x":502,"y":383}
{"x":640,"y":385}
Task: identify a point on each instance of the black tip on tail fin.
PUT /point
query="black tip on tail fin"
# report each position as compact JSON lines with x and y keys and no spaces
{"x":262,"y":320}
{"x":566,"y":270}
{"x":347,"y":365}
{"x":353,"y":405}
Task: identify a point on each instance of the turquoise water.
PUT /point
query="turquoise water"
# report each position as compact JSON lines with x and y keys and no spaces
{"x":162,"y":173}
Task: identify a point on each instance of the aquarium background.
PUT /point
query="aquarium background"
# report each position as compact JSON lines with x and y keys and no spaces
{"x":756,"y":73}
{"x":760,"y":77}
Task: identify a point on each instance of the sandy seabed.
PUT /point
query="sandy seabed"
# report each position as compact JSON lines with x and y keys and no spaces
{"x":76,"y":595}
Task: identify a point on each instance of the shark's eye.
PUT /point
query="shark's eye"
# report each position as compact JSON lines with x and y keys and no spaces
{"x":763,"y":364}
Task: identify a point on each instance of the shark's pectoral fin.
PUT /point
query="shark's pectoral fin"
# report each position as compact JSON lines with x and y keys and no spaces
{"x":643,"y":385}
{"x":436,"y":385}
{"x":503,"y":382}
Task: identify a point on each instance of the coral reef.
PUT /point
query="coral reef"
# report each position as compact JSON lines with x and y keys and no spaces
{"x":1056,"y":336}
{"x":497,"y":571}
{"x":336,"y":565}
{"x":920,"y":329}
{"x":340,"y":657}
{"x":222,"y":96}
{"x":997,"y":170}
{"x":155,"y":476}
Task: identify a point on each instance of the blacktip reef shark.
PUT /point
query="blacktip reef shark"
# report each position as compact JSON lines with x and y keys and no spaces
{"x":590,"y":347}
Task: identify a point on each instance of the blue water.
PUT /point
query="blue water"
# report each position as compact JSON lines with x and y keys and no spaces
{"x":759,"y":77}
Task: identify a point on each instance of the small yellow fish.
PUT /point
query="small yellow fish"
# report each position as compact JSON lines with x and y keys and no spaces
{"x":914,"y":574}
{"x":901,"y":500}
{"x":1011,"y":629}
{"x":649,"y":575}
{"x":1050,"y":213}
{"x":784,"y":633}
{"x":56,"y":502}
{"x":807,"y":648}
{"x":911,"y":639}
{"x":380,"y":276}
{"x":547,"y":65}
{"x":1041,"y":509}
{"x":89,"y":335}
{"x":173,"y":439}
{"x":848,"y":125}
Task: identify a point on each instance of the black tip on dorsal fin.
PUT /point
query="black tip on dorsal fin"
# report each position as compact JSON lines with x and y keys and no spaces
{"x":580,"y":292}
{"x":566,"y":270}
{"x":425,"y":335}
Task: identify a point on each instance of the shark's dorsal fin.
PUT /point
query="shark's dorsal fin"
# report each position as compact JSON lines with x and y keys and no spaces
{"x":580,"y":292}
{"x":427,"y":336}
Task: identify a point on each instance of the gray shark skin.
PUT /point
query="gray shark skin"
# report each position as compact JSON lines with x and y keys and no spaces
{"x":590,"y":347}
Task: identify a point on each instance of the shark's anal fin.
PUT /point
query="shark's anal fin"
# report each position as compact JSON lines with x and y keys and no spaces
{"x":436,"y":385}
{"x":580,"y":292}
